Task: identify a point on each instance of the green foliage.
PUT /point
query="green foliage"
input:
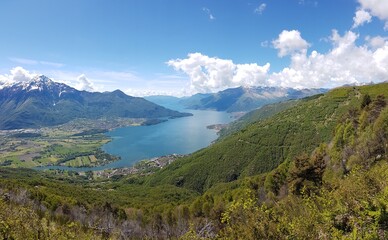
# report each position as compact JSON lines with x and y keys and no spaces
{"x":23,"y":222}
{"x":276,"y":179}
{"x":353,"y":205}
{"x":255,"y":116}
{"x":263,"y":145}
{"x":305,"y":175}
{"x":254,"y":184}
{"x":366,"y":100}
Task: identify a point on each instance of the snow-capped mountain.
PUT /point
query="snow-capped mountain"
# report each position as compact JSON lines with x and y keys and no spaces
{"x":42,"y":83}
{"x":243,"y":99}
{"x":43,"y":102}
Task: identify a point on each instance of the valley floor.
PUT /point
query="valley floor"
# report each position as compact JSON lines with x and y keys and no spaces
{"x":74,"y":144}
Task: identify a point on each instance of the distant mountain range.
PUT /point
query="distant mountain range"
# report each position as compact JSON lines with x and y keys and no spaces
{"x":42,"y":102}
{"x":241,"y":99}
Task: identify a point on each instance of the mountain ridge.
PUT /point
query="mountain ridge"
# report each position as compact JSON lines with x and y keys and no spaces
{"x":261,"y":146}
{"x":240,"y":99}
{"x":42,"y":102}
{"x":244,"y":99}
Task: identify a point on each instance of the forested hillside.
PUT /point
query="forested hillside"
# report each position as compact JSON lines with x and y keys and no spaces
{"x":338,"y":191}
{"x":263,"y":145}
{"x":316,"y":170}
{"x":256,"y":115}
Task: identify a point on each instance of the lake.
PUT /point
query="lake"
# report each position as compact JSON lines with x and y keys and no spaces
{"x":181,"y":136}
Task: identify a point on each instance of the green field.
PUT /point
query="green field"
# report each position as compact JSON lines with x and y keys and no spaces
{"x":76,"y":144}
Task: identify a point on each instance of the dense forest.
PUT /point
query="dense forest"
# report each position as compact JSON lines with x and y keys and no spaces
{"x":315,"y":168}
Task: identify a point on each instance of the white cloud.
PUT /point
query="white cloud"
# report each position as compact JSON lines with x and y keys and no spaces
{"x":208,"y":12}
{"x":24,"y":61}
{"x":290,"y":42}
{"x":345,"y":63}
{"x":209,"y":74}
{"x":27,"y":61}
{"x":52,"y":64}
{"x":260,"y":9}
{"x":84,"y":84}
{"x":17,"y":74}
{"x":376,"y":42}
{"x":361,"y":17}
{"x":102,"y":80}
{"x":377,"y":8}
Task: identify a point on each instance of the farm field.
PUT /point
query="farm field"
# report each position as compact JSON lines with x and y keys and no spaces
{"x":74,"y":144}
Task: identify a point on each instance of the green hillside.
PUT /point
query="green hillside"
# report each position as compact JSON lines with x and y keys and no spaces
{"x":338,"y":191}
{"x":328,"y":182}
{"x":263,"y":145}
{"x":42,"y":102}
{"x":256,"y":115}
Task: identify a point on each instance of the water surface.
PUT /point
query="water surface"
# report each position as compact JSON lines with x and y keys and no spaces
{"x":181,"y":136}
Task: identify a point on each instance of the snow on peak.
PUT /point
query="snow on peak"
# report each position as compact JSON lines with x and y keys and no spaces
{"x":41,"y":79}
{"x":41,"y":83}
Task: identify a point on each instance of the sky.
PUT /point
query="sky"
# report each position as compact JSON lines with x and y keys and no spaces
{"x":182,"y":47}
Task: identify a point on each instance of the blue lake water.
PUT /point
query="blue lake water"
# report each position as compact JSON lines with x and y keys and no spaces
{"x":181,"y":136}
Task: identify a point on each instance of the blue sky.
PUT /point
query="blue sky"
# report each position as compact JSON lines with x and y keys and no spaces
{"x":181,"y":47}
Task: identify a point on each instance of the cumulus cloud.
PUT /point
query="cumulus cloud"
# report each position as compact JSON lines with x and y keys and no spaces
{"x":376,"y":42}
{"x":377,"y":8}
{"x":17,"y":74}
{"x":345,"y":63}
{"x":209,"y":74}
{"x":361,"y":17}
{"x":290,"y":42}
{"x":260,"y":9}
{"x":84,"y":84}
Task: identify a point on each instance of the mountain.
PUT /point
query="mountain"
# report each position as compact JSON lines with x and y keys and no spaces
{"x":261,"y":146}
{"x":314,"y":170}
{"x":244,"y":99}
{"x":42,"y":102}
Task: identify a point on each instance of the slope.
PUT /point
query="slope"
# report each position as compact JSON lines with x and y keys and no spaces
{"x":339,"y":191}
{"x":256,"y":115}
{"x":42,"y":102}
{"x":262,"y":146}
